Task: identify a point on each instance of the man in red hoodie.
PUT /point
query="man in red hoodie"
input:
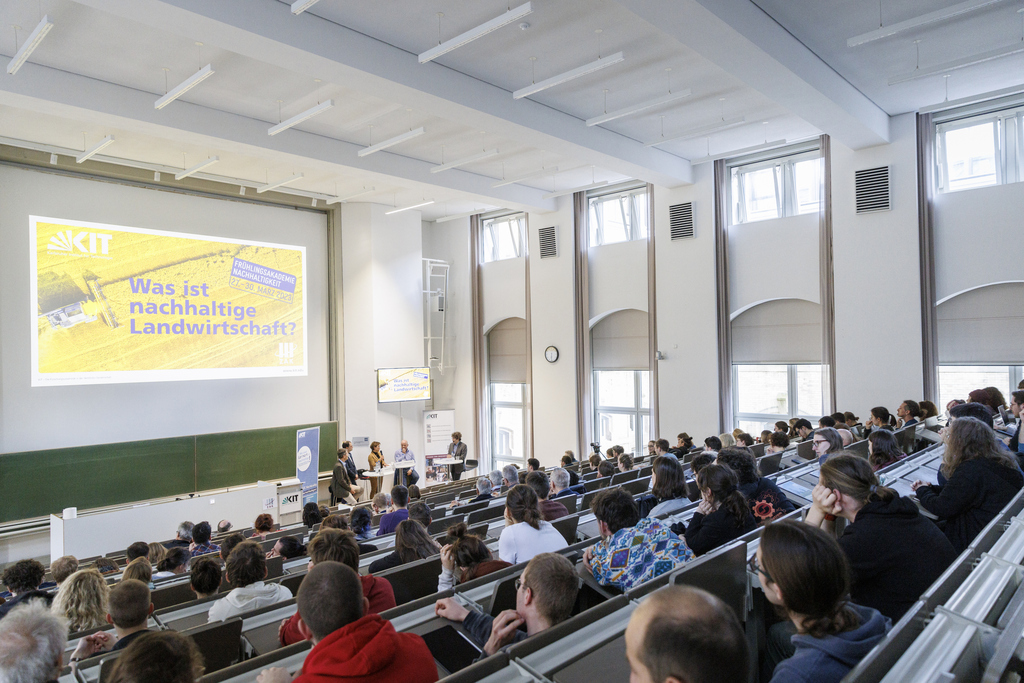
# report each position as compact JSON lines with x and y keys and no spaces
{"x":335,"y":545}
{"x":349,"y":647}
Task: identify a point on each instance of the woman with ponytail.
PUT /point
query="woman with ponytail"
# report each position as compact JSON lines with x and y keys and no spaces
{"x":880,"y":418}
{"x":526,"y":534}
{"x":465,"y":557}
{"x":804,"y":573}
{"x":895,"y":553}
{"x":723,"y":513}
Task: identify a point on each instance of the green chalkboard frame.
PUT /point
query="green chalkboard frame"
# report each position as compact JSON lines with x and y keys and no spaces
{"x":38,"y":483}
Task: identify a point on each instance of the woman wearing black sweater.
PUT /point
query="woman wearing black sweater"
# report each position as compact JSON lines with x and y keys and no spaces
{"x":723,"y":514}
{"x":982,"y":477}
{"x":895,"y":553}
{"x":766,"y":500}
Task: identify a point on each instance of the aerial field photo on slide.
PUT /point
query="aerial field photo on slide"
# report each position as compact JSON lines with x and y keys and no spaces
{"x":116,"y":304}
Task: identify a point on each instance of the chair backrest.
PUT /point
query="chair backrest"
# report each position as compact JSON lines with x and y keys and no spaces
{"x":220,"y":643}
{"x":570,"y":502}
{"x":293,"y":581}
{"x":622,"y":477}
{"x":414,"y":580}
{"x":692,"y":490}
{"x":172,"y":595}
{"x":107,"y":665}
{"x":636,"y":486}
{"x":587,"y":500}
{"x":471,"y":464}
{"x":758,"y":449}
{"x":805,"y":449}
{"x":473,"y":507}
{"x":769,"y":464}
{"x":723,"y":574}
{"x":567,"y":527}
{"x":503,"y":596}
{"x":440,"y":525}
{"x":595,"y":484}
{"x":275,"y":567}
{"x":589,"y":475}
{"x":485,"y":514}
{"x":256,"y":664}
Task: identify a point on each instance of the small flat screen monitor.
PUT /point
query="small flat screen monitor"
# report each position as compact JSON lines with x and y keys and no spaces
{"x":403,"y":384}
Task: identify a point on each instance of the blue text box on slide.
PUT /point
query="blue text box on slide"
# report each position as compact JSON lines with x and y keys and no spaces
{"x":268,"y":282}
{"x":307,"y":462}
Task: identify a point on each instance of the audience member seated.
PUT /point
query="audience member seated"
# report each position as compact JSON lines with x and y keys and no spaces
{"x":983,"y":398}
{"x":130,"y":607}
{"x":339,"y":522}
{"x":310,"y":515}
{"x":349,"y":643}
{"x":509,"y":476}
{"x":533,"y":465}
{"x":223,"y":526}
{"x":826,"y":421}
{"x":928,"y":410}
{"x":744,"y":439}
{"x":1017,"y":408}
{"x":982,"y":476}
{"x":880,"y":418}
{"x":332,"y":545}
{"x":625,"y":463}
{"x":561,"y":484}
{"x":246,"y":569}
{"x":484,"y":487}
{"x":526,"y":534}
{"x":82,"y":599}
{"x":723,"y":514}
{"x":550,"y":510}
{"x":32,"y":644}
{"x":414,"y":492}
{"x":668,"y":488}
{"x":139,"y":569}
{"x":801,"y":429}
{"x":205,"y":577}
{"x":545,"y":595}
{"x":23,"y":579}
{"x":574,"y":477}
{"x":107,"y":566}
{"x":412,"y":542}
{"x":765,"y":438}
{"x":137,"y":549}
{"x":360,"y":520}
{"x":201,"y":545}
{"x":681,"y":633}
{"x":175,"y":562}
{"x":184,"y":537}
{"x":420,"y":512}
{"x":263,"y":525}
{"x":631,"y":550}
{"x":700,"y":461}
{"x":909,"y":413}
{"x":399,"y":503}
{"x":159,"y":657}
{"x":826,"y":442}
{"x":803,"y":571}
{"x":228,"y":544}
{"x":894,"y":552}
{"x":766,"y":500}
{"x":777,"y":442}
{"x":63,"y":567}
{"x":288,"y":547}
{"x":684,"y":442}
{"x":727,"y":439}
{"x":846,"y":435}
{"x":605,"y":469}
{"x":381,"y":503}
{"x":883,"y":449}
{"x":465,"y":557}
{"x":712,"y":444}
{"x":595,"y":461}
{"x":782,"y":427}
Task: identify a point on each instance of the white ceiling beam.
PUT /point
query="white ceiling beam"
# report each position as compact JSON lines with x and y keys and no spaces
{"x":265,"y":30}
{"x":740,"y":38}
{"x":56,"y":92}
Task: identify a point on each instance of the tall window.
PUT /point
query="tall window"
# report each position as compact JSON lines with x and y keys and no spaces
{"x":956,"y":381}
{"x":775,"y":188}
{"x":508,"y":426}
{"x":503,"y":237}
{"x":618,"y":217}
{"x":981,"y":150}
{"x":765,"y":394}
{"x":622,"y":409}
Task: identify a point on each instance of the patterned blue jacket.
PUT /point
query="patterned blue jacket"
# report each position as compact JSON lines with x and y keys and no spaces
{"x":638,"y":554}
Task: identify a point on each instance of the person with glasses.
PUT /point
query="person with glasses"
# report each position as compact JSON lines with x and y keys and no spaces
{"x":826,"y":441}
{"x":803,"y":571}
{"x":545,"y":595}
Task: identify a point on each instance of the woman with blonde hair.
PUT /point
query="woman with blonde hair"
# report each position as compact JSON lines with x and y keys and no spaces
{"x":727,"y":439}
{"x":139,"y":569}
{"x":157,"y":552}
{"x":82,"y":598}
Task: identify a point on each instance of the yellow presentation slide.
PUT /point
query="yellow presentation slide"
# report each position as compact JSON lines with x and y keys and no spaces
{"x":118,"y":304}
{"x":403,"y":384}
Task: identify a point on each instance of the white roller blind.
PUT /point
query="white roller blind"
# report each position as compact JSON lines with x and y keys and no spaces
{"x":506,"y":351}
{"x":620,"y":341}
{"x":983,"y":326}
{"x":782,"y":331}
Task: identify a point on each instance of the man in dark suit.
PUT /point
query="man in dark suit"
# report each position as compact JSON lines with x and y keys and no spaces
{"x":457,"y":450}
{"x":350,"y":462}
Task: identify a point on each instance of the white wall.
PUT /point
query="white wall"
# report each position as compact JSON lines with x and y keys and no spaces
{"x":775,"y":259}
{"x":618,"y":278}
{"x":877,"y":278}
{"x":503,"y":291}
{"x":686,"y":313}
{"x":383,"y":317}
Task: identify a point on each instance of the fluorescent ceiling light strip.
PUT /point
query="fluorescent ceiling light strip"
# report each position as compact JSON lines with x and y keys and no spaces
{"x":465,"y":160}
{"x":299,"y":118}
{"x":89,"y":153}
{"x":562,"y":193}
{"x":959,"y":64}
{"x":973,"y":99}
{"x":362,"y":121}
{"x":406,"y":208}
{"x":596,"y":65}
{"x":922,"y":20}
{"x":186,"y":85}
{"x":270,"y":186}
{"x":195,"y":169}
{"x":637,"y":108}
{"x":30,"y":44}
{"x":528,"y":176}
{"x":724,"y":124}
{"x":300,"y":6}
{"x":738,"y":152}
{"x":445,"y":219}
{"x":342,"y":200}
{"x":474,"y":33}
{"x":391,"y":142}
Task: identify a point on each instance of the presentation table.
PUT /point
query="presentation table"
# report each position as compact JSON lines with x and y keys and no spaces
{"x":448,"y":462}
{"x":390,"y":469}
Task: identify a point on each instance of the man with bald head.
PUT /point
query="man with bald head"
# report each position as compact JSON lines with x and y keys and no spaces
{"x":405,"y":477}
{"x":847,"y":436}
{"x":685,"y":635}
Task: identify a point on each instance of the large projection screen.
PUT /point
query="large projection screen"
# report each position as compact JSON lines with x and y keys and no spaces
{"x":131,"y":313}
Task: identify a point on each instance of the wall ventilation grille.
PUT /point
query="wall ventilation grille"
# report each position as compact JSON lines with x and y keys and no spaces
{"x":681,"y":220}
{"x":548,"y":242}
{"x":872,"y":189}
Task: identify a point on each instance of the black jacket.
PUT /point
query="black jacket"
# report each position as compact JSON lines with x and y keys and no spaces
{"x":389,"y":561}
{"x":978,"y":490}
{"x":704,"y":534}
{"x":895,"y":554}
{"x":767,"y":501}
{"x":24,"y":597}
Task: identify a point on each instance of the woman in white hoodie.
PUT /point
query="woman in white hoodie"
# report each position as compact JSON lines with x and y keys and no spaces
{"x":246,"y":569}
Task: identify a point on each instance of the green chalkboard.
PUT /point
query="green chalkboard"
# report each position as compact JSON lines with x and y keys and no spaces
{"x":39,"y":483}
{"x":244,"y":457}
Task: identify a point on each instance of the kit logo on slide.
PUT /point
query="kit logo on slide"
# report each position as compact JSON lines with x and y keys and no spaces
{"x":69,"y":241}
{"x":286,"y":352}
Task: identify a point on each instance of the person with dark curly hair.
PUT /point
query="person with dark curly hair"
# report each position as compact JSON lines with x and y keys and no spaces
{"x":23,"y":579}
{"x":766,"y":500}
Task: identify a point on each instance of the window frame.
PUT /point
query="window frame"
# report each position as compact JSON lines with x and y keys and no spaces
{"x":489,"y":226}
{"x":1014,"y":374}
{"x":786,"y":193}
{"x":1008,"y":133}
{"x":497,"y":459}
{"x":640,"y":414}
{"x":792,"y":395}
{"x":637,"y":218}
